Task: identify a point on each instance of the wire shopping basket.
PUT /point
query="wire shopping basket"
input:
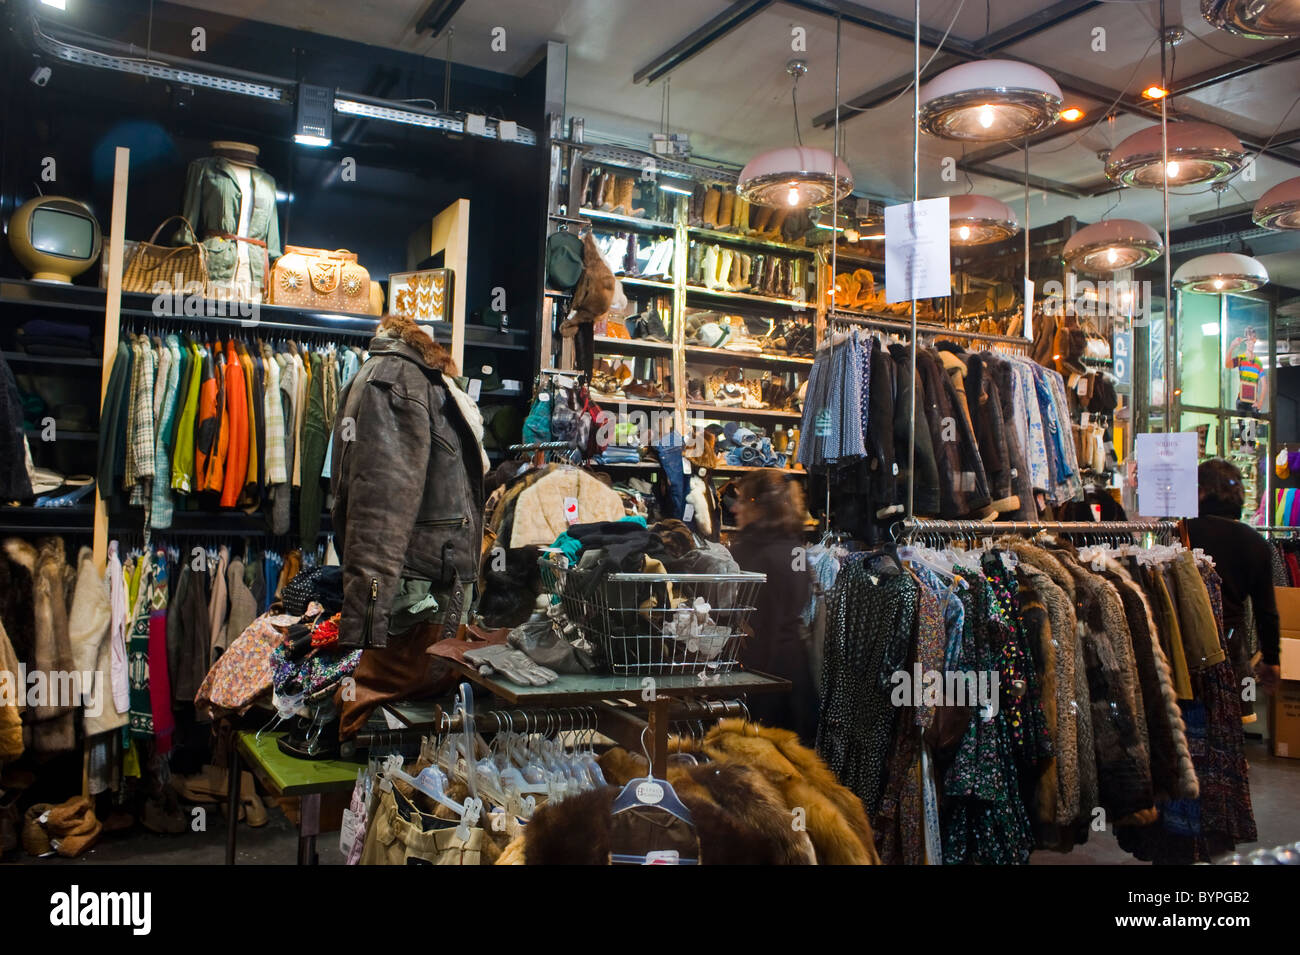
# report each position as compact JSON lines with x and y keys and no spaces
{"x":655,"y":624}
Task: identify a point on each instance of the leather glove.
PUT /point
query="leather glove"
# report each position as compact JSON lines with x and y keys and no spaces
{"x":512,"y":664}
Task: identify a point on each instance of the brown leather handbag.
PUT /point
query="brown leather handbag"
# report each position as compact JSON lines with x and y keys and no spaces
{"x":155,"y":268}
{"x":319,"y":278}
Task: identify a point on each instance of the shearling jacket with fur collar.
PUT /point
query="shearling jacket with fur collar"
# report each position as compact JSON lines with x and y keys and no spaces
{"x":407,"y":477}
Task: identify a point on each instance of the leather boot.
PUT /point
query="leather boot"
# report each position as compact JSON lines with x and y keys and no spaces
{"x":624,"y":189}
{"x":725,"y":257}
{"x":776,"y":223}
{"x":709,"y":263}
{"x":696,"y":215}
{"x":606,"y":192}
{"x":726,"y":209}
{"x":584,"y":197}
{"x":759,"y":220}
{"x":712,"y":199}
{"x":746,"y":263}
{"x":737,"y":267}
{"x":693,"y":262}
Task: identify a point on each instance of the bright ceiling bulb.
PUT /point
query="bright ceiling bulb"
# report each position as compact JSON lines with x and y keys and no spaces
{"x":1072,"y":114}
{"x":1112,"y":245}
{"x":792,"y":197}
{"x":1218,"y":283}
{"x":976,"y":220}
{"x":1255,"y":19}
{"x":1197,"y":153}
{"x":989,"y":101}
{"x":1155,"y":92}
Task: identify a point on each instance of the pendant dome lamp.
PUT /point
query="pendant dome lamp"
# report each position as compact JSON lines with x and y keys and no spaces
{"x":1220,"y":273}
{"x":1255,"y":19}
{"x":989,"y":101}
{"x":1279,"y":208}
{"x":795,"y":177}
{"x":1198,"y":152}
{"x":1112,"y":245}
{"x":979,"y":220}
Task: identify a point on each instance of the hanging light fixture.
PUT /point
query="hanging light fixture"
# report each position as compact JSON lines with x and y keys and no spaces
{"x":1255,"y":19}
{"x":1198,"y":152}
{"x":979,"y":220}
{"x":1279,"y":208}
{"x":795,"y":177}
{"x":989,"y":101}
{"x":1220,"y":273}
{"x":1112,"y":245}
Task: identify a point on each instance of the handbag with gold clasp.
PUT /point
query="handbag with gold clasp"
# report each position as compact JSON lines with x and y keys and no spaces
{"x":319,"y":278}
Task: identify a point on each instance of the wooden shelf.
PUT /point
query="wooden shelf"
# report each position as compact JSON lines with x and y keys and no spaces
{"x":22,"y":358}
{"x":707,"y":410}
{"x":630,"y":346}
{"x":739,"y":238}
{"x":799,"y":304}
{"x":639,"y":222}
{"x":666,"y":286}
{"x":721,"y":356}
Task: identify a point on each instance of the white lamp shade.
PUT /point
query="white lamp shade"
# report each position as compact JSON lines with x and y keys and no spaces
{"x":989,"y":101}
{"x":795,"y":177}
{"x":1256,"y":19}
{"x":1198,"y":152}
{"x":1219,"y":273}
{"x":1279,"y":208}
{"x":1111,"y":246}
{"x":978,"y":220}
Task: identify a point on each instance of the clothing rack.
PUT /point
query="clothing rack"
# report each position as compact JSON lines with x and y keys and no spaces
{"x":1268,"y":530}
{"x":907,"y":529}
{"x":939,"y":331}
{"x":181,"y":323}
{"x":563,"y":450}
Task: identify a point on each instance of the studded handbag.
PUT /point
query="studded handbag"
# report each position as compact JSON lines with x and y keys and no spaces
{"x":319,"y":278}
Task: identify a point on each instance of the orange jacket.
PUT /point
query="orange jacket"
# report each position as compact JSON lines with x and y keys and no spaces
{"x":237,"y":419}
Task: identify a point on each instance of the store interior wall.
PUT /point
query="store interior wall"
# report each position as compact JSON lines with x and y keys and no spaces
{"x":404,"y":175}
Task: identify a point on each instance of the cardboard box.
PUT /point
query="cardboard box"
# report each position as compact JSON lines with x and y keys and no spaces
{"x":1288,"y":611}
{"x":1286,"y":720}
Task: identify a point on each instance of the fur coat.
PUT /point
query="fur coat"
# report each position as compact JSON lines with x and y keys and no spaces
{"x":11,"y":709}
{"x":1173,"y":776}
{"x":1118,"y":718}
{"x":50,"y":728}
{"x":740,"y":819}
{"x":89,"y":621}
{"x":1077,"y":791}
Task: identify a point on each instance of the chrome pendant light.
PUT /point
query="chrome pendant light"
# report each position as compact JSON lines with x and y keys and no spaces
{"x":1220,"y":273}
{"x":979,"y":220}
{"x":1255,"y":19}
{"x":1279,"y":208}
{"x":989,"y":101}
{"x":1112,"y":245}
{"x":1198,"y":152}
{"x":795,"y":177}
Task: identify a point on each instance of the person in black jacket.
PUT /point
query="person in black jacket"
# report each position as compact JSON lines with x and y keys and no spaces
{"x":770,"y":513}
{"x":1241,"y":558}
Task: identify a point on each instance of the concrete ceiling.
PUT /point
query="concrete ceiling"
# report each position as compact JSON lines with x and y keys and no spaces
{"x":733,"y":97}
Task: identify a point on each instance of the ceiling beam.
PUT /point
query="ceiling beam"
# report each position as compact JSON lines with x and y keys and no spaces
{"x":437,"y":15}
{"x":1026,"y":27}
{"x":701,"y":39}
{"x":901,"y":28}
{"x":1040,"y":183}
{"x":1280,"y":53}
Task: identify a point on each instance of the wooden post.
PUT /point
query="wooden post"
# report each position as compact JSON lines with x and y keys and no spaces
{"x":112,"y":320}
{"x":450,"y":236}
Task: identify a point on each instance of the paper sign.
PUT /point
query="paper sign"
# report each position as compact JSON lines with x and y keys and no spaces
{"x":917,"y":258}
{"x":1166,"y":475}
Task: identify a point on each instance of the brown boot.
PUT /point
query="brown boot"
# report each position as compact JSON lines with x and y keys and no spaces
{"x":726,"y":209}
{"x":625,"y":187}
{"x":776,"y":223}
{"x":712,"y":199}
{"x":759,"y":221}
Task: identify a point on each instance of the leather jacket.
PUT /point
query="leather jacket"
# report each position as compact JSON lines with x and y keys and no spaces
{"x":407,"y":479}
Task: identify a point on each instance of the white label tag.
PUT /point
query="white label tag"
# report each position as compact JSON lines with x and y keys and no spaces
{"x":689,"y":513}
{"x":649,"y":793}
{"x":544,"y":397}
{"x":571,"y":510}
{"x":663,"y":857}
{"x":686,"y":466}
{"x":1082,"y":386}
{"x":348,"y":831}
{"x":475,"y":388}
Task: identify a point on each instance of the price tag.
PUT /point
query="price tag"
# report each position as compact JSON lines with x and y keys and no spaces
{"x":663,"y":857}
{"x":571,"y":510}
{"x":686,"y":466}
{"x":544,"y":396}
{"x":475,"y":388}
{"x":689,"y":513}
{"x":348,"y":831}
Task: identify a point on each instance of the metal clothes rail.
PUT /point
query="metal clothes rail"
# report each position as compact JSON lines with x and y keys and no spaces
{"x":938,"y":331}
{"x":908,"y":529}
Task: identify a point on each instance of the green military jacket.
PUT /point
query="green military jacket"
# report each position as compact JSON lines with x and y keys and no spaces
{"x":212,"y":204}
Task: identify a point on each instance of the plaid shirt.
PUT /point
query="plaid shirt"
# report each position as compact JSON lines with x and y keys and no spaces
{"x":163,"y":503}
{"x":140,"y":445}
{"x":277,"y":471}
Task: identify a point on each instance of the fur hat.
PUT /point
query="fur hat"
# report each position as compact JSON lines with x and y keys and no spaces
{"x":404,"y":329}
